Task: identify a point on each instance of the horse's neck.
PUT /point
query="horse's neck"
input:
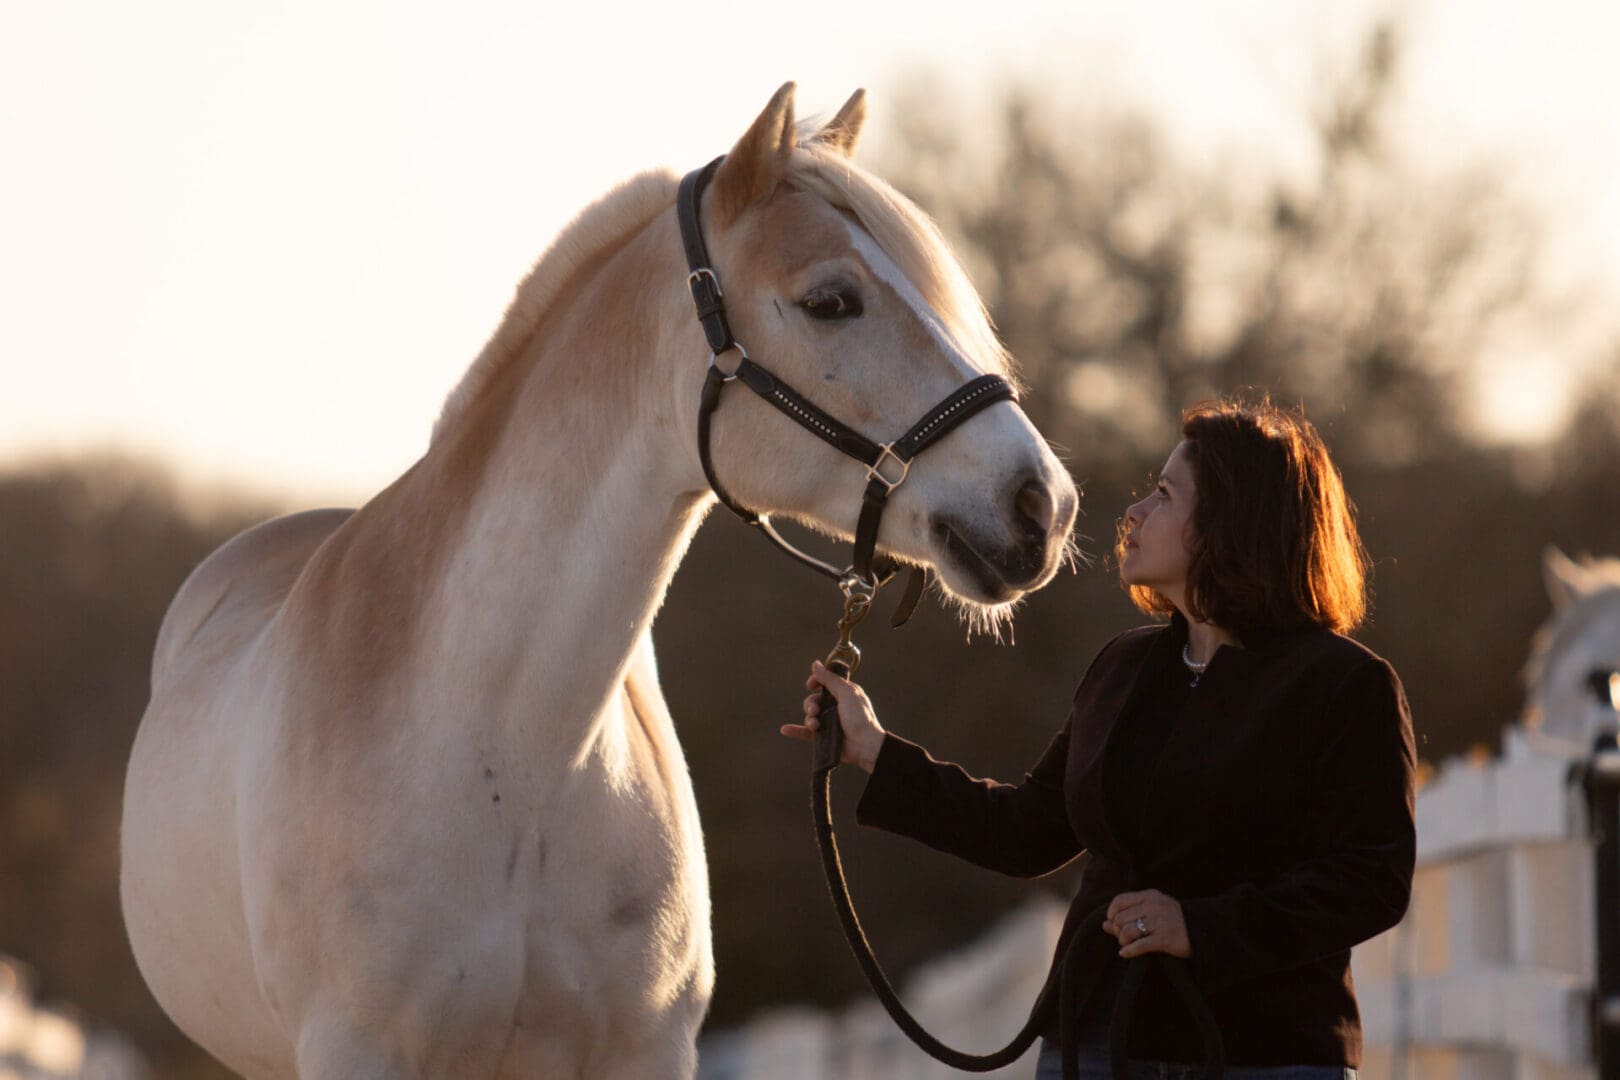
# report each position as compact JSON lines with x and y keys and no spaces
{"x":581,"y":506}
{"x":559,"y":579}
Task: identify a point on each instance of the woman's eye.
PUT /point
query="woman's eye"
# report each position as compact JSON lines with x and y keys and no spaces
{"x":829,"y":304}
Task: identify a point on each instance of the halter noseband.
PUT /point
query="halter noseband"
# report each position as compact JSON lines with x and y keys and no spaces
{"x":887,"y":464}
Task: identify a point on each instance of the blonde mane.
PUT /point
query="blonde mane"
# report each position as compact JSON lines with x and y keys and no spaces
{"x":610,"y":220}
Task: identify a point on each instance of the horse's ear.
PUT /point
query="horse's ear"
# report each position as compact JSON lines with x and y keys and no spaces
{"x":1566,"y":579}
{"x":759,"y":160}
{"x":843,"y":130}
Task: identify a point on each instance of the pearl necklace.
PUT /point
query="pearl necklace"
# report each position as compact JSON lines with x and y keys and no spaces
{"x":1192,"y":665}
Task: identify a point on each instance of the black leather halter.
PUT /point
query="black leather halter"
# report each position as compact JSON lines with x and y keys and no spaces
{"x":886,"y":463}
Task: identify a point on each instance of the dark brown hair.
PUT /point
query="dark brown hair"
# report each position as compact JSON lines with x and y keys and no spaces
{"x":1274,"y":545}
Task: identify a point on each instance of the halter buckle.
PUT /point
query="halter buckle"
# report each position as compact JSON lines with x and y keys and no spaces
{"x":702,"y":272}
{"x":874,"y":470}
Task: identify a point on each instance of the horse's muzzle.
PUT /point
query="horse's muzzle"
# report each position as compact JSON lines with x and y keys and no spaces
{"x":1027,"y":552}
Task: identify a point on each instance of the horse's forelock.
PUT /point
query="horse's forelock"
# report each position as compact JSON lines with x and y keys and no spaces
{"x":908,"y":236}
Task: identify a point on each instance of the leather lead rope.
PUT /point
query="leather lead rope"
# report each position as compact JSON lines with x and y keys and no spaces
{"x":1072,"y":978}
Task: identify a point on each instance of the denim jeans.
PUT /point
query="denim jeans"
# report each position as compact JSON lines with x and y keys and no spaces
{"x":1094,"y":1066}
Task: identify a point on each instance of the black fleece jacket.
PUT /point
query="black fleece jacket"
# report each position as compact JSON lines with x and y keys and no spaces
{"x":1280,"y":815}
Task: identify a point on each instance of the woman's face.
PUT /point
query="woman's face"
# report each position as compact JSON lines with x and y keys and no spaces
{"x":1159,"y":531}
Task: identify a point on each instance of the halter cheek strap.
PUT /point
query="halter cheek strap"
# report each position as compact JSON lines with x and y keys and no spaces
{"x":887,"y":464}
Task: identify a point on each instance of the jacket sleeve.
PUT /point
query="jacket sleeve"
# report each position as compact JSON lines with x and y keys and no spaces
{"x":1359,"y":883}
{"x":1018,"y":829}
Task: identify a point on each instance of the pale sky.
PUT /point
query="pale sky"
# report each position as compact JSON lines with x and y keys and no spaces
{"x":260,"y":242}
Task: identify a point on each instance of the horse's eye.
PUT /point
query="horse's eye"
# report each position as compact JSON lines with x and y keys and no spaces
{"x":829,"y":304}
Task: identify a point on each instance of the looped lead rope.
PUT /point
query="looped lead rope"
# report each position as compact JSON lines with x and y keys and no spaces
{"x":1073,"y":976}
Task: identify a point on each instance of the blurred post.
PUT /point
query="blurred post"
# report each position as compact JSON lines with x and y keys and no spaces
{"x":1602,"y":781}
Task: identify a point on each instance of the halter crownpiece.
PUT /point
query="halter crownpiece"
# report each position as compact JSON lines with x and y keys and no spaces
{"x":887,"y":464}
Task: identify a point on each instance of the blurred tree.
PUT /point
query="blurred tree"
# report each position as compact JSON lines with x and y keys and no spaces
{"x":1130,"y":283}
{"x":90,"y":555}
{"x":1585,"y":480}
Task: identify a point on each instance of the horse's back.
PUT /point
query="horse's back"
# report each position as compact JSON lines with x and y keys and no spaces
{"x":180,"y":879}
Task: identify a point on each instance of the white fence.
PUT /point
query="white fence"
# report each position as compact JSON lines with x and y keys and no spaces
{"x":1491,"y":974}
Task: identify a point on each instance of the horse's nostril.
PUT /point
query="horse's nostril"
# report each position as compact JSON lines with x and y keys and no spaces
{"x":1034,"y":503}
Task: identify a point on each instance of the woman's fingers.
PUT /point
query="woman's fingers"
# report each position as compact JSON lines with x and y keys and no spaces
{"x":1126,"y":915}
{"x":1173,"y":942}
{"x":1162,"y":926}
{"x":822,"y":681}
{"x":1126,"y":900}
{"x":863,"y":735}
{"x":1123,"y":913}
{"x":821,"y":675}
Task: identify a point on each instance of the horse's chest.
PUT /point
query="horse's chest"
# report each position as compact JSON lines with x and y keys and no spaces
{"x":612,"y":871}
{"x":615,"y":934}
{"x":542,"y":909}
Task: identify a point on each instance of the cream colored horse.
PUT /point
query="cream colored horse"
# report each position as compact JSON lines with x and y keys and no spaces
{"x":407,"y":801}
{"x":1570,"y":701}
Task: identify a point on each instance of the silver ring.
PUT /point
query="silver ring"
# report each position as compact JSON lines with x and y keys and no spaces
{"x":1141,"y":927}
{"x":734,"y":345}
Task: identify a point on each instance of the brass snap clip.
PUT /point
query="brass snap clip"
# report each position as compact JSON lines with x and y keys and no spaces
{"x":858,"y":596}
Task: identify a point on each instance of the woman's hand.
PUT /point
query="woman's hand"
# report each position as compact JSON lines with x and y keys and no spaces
{"x":863,"y":735}
{"x":1148,"y":922}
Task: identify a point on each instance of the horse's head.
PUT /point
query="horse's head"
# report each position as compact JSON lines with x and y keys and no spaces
{"x":838,"y":285}
{"x":1574,"y":670}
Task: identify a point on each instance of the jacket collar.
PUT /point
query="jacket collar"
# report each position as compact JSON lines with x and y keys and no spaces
{"x":1257,"y":643}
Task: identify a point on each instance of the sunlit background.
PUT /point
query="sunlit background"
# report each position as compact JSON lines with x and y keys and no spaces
{"x":246,"y":250}
{"x":259,"y":242}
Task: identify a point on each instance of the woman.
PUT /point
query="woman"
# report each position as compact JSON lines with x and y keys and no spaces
{"x":1242,"y":776}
